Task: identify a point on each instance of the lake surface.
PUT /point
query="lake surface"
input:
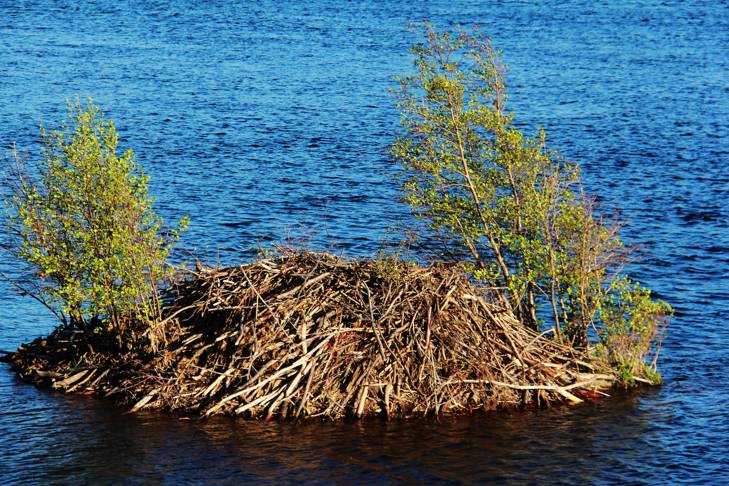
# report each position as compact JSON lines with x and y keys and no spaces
{"x":272,"y":120}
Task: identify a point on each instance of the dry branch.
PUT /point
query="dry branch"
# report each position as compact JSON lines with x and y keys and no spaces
{"x":312,"y":335}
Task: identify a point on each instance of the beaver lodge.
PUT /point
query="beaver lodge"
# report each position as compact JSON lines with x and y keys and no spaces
{"x":313,"y":335}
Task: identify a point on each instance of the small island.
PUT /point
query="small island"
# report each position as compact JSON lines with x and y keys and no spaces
{"x":525,"y":306}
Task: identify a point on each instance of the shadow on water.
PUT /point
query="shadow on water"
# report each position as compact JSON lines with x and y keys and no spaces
{"x":92,"y":441}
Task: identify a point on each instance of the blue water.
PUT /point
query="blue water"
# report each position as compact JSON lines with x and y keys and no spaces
{"x":272,"y":120}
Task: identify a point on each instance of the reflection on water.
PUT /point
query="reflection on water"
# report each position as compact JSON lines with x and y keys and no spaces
{"x":259,"y":118}
{"x":91,"y":441}
{"x":613,"y":441}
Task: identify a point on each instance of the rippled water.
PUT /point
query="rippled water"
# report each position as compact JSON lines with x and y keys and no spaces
{"x":272,"y":120}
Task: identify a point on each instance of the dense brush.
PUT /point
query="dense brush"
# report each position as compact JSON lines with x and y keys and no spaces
{"x":313,"y":335}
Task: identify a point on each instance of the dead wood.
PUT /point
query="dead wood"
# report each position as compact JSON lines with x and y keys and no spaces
{"x":313,"y":335}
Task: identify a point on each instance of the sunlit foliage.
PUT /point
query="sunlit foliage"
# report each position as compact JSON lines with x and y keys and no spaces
{"x":83,"y":221}
{"x":514,"y":206}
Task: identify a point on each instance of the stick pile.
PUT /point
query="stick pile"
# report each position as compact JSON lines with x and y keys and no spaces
{"x":312,"y":335}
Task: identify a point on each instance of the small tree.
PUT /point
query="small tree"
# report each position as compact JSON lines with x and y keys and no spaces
{"x":516,"y":207}
{"x":83,"y":221}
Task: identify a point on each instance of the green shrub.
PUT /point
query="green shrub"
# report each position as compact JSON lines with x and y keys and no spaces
{"x":83,"y":221}
{"x":515,"y":207}
{"x":632,"y":329}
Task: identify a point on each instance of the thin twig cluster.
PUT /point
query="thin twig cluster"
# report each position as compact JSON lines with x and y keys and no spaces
{"x":313,"y":335}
